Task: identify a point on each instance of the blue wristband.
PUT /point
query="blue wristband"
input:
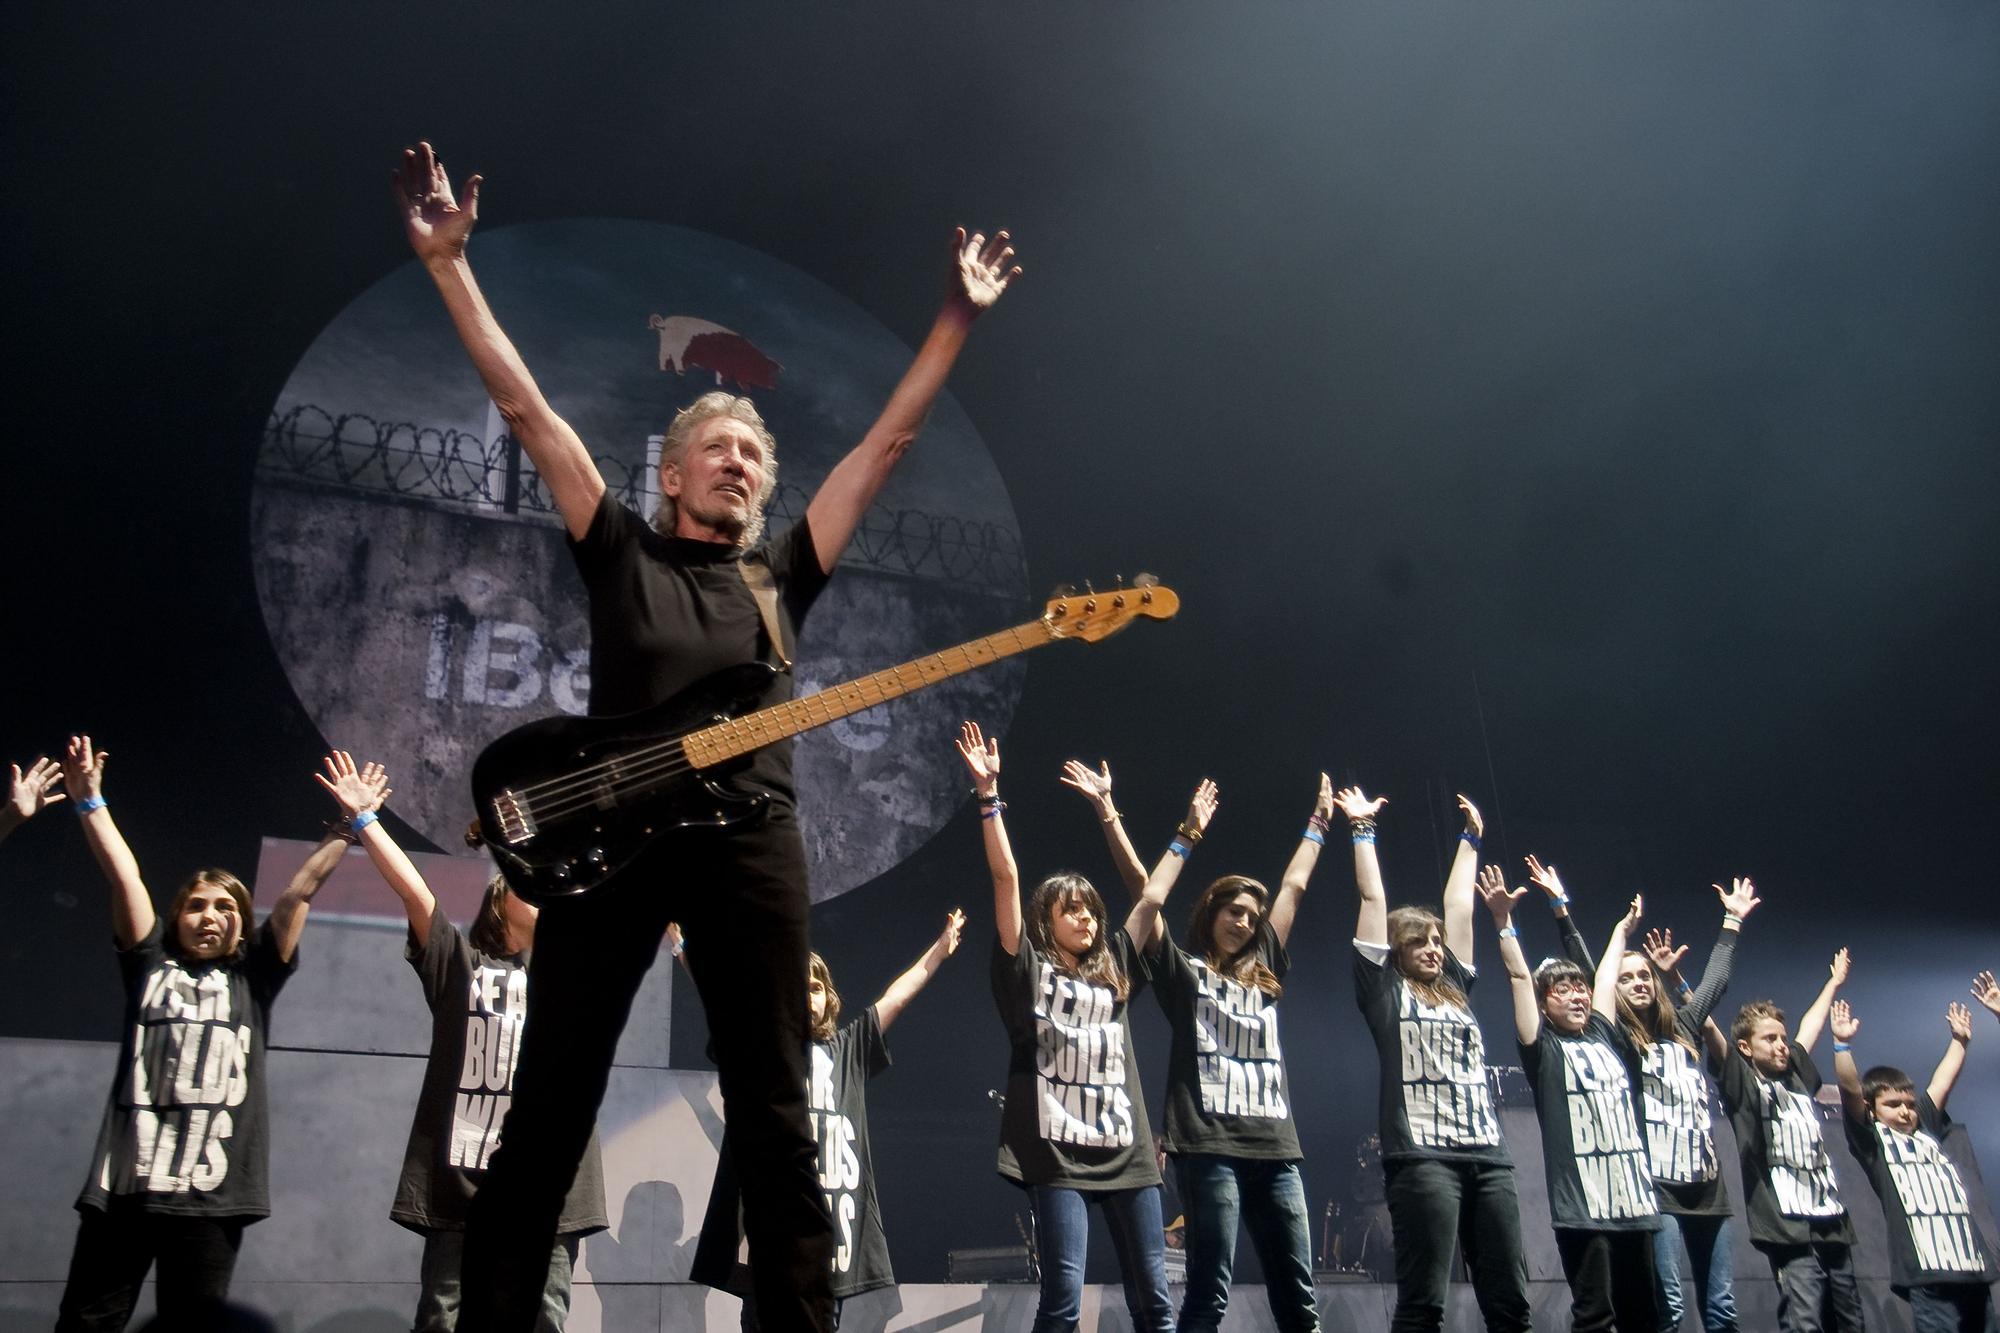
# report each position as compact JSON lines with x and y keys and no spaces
{"x":1314,"y":835}
{"x":89,"y":803}
{"x":1840,"y":1046}
{"x":1364,"y":835}
{"x":1560,"y":900}
{"x":1178,"y":848}
{"x":1510,"y":933}
{"x":1468,"y":835}
{"x":362,"y":820}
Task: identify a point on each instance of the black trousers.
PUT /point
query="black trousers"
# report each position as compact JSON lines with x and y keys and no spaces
{"x":1611,"y":1283}
{"x":114,"y":1250}
{"x":741,"y":899}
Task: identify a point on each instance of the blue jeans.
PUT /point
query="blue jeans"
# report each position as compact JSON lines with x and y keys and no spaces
{"x":1959,"y":1308}
{"x":1270,"y":1200}
{"x":1817,"y":1291}
{"x":439,"y":1299}
{"x":1711,"y":1253}
{"x":1062,"y":1232}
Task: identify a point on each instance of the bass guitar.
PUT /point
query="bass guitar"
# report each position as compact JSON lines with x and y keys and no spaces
{"x":567,"y":802}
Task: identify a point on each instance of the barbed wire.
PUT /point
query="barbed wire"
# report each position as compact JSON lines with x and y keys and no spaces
{"x":308,"y":445}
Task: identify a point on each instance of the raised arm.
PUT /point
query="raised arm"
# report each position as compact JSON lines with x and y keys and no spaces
{"x":438,"y":228}
{"x":288,"y":915}
{"x":1738,"y":901}
{"x":1458,"y":894}
{"x":1987,"y":991}
{"x":982,"y":271}
{"x":903,"y":989}
{"x":1373,"y":925}
{"x":1298,"y":872}
{"x":1095,"y":784}
{"x":132,"y":913}
{"x":1845,"y":1071}
{"x":982,"y":759}
{"x":1143,"y":926}
{"x":30,"y":793}
{"x":1493,"y":891}
{"x":1545,"y":878}
{"x":1604,"y":987}
{"x":1945,"y":1076}
{"x":361,"y":794}
{"x":1815,"y":1017}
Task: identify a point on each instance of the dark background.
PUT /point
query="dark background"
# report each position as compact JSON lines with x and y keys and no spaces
{"x":1589,"y":407}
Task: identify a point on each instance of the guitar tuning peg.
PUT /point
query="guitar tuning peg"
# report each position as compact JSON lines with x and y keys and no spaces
{"x":1144,"y":580}
{"x":1063,"y":590}
{"x":1088,"y":589}
{"x":1117,"y":582}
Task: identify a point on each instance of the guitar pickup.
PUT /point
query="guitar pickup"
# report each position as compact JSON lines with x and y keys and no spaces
{"x":517,"y":823}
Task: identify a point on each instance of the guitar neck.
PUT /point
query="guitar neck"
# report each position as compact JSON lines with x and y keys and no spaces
{"x":753,"y":731}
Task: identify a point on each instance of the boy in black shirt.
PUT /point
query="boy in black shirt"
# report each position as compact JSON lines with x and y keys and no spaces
{"x":1795,"y":1214}
{"x":1936,"y":1260}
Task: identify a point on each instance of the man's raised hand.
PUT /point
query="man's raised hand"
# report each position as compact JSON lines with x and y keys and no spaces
{"x":981,"y":268}
{"x":433,"y":219}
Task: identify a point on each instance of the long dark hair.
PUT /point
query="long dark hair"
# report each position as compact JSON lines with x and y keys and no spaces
{"x":211,"y":878}
{"x":1412,"y":925}
{"x":829,"y":1015}
{"x":1245,"y":967}
{"x":1066,"y":888}
{"x":489,"y":928}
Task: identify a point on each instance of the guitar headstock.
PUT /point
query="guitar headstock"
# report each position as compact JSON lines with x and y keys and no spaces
{"x":1091,"y":616}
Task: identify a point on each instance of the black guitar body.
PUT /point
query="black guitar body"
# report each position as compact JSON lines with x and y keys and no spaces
{"x":567,"y":803}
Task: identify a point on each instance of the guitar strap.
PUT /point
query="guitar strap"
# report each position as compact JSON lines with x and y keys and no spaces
{"x":764,"y":591}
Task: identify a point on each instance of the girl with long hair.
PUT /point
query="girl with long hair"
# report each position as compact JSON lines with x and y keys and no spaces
{"x":1229,"y":1122}
{"x":1073,"y":1131}
{"x":182,"y":1163}
{"x":1449,"y":1180}
{"x":1665,"y":1025}
{"x":476,"y":985}
{"x":844,"y":1057}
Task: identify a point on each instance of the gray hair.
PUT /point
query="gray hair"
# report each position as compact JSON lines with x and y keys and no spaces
{"x":673,"y":449}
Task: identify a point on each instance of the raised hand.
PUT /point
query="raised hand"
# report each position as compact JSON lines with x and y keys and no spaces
{"x":1960,"y":1019}
{"x":1987,"y":991}
{"x":1493,"y":891}
{"x":1837,"y":969}
{"x":355,"y":790}
{"x":1660,"y":948}
{"x":1201,"y":808}
{"x":1474,"y":824}
{"x":1739,"y":899}
{"x":83,"y":769}
{"x":981,"y":272}
{"x":982,"y":758}
{"x":433,"y":219}
{"x":1546,"y":879}
{"x":1350,"y":802}
{"x":1323,"y":803}
{"x":28,"y":794}
{"x":1094,"y":783}
{"x":1844,"y":1024}
{"x":1633,"y":915}
{"x":954,"y":925}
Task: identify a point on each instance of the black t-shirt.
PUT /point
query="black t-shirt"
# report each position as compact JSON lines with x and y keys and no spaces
{"x":666,"y":612}
{"x":837,"y":1096}
{"x":1226,"y":1088}
{"x":187,"y":1129}
{"x":1933,"y":1240}
{"x":1435,"y":1101}
{"x":1592,"y":1148}
{"x":478,"y":1005}
{"x":1788,"y":1180}
{"x":1075,"y":1114}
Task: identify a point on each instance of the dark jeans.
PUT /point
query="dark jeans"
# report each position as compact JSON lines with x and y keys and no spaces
{"x":1816,"y":1288}
{"x":1270,"y":1199}
{"x":1062,"y":1230}
{"x":1610,"y":1280}
{"x":1959,"y":1308}
{"x":440,"y":1297}
{"x":195,"y":1257}
{"x":1711,"y":1252}
{"x":1434,"y":1203}
{"x":742,"y":901}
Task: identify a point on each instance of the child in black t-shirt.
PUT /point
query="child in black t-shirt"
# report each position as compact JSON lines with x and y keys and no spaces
{"x":1448,"y":1180}
{"x":1797,"y":1221}
{"x":1936,"y":1259}
{"x":1073,"y":1131}
{"x":1586,"y":1089}
{"x":844,"y":1057}
{"x":182,"y":1163}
